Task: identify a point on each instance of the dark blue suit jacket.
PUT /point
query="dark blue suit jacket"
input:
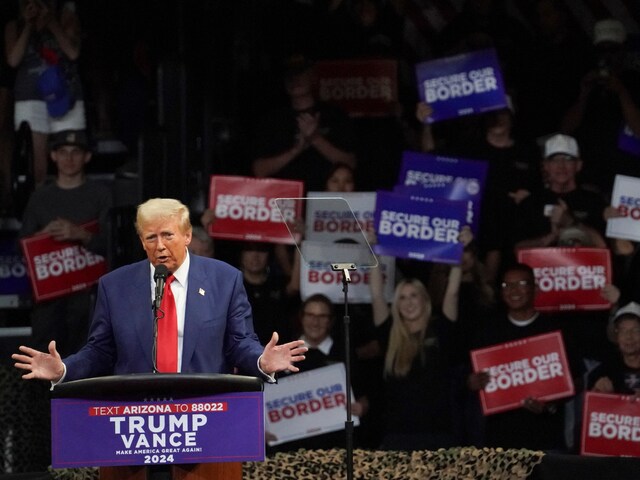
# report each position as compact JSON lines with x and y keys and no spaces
{"x":218,"y":331}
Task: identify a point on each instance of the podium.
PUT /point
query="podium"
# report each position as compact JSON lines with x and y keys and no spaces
{"x":159,"y":426}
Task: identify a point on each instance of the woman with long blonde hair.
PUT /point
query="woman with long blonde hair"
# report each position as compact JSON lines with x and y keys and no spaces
{"x":417,"y":367}
{"x":407,"y":332}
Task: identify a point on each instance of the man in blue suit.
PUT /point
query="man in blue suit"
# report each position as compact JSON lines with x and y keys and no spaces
{"x":215,"y":331}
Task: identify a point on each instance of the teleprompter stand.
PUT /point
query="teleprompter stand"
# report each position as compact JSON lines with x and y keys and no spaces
{"x":348,"y":425}
{"x":340,"y":252}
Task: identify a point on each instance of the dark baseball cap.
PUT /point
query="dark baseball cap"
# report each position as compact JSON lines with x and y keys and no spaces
{"x":77,"y":138}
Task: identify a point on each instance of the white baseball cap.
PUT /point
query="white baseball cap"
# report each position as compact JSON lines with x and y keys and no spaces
{"x":609,"y":30}
{"x":631,"y":308}
{"x":561,"y":144}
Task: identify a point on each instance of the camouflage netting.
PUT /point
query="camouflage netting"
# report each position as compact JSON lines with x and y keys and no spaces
{"x":466,"y":463}
{"x":455,"y":463}
{"x":24,"y":423}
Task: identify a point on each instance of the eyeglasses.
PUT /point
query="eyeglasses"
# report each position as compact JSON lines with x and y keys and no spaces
{"x":516,"y":284}
{"x":316,"y":316}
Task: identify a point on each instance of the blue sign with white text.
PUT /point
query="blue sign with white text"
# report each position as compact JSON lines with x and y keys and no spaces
{"x":464,"y":84}
{"x":628,"y":142}
{"x":219,"y":428}
{"x":447,"y":178}
{"x":419,"y":228}
{"x":13,"y":270}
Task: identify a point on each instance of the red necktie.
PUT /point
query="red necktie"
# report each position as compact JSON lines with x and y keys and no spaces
{"x":168,"y":331}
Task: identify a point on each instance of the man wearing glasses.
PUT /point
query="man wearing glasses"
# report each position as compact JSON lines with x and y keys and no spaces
{"x":537,"y":425}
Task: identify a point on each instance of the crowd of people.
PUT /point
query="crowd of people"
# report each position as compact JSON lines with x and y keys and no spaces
{"x":552,"y":158}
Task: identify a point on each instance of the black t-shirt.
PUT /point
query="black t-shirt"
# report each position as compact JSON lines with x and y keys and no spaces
{"x":625,"y":379}
{"x":585,"y":206}
{"x":521,"y":428}
{"x":420,"y":401}
{"x":272,"y":309}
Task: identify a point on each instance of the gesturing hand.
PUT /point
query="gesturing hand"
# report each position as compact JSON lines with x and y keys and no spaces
{"x":277,"y":358}
{"x":40,"y":365}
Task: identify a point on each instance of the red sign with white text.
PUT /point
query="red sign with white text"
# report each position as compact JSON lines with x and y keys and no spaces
{"x":530,"y":367}
{"x":610,"y":425}
{"x":57,"y":268}
{"x":245,"y":208}
{"x":362,"y":88}
{"x":569,"y":278}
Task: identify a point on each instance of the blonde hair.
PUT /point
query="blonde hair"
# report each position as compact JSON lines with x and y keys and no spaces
{"x":162,"y":209}
{"x":404,"y":346}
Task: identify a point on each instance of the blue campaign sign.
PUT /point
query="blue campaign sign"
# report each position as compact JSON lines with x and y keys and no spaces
{"x":446,"y":178}
{"x":461,"y":85}
{"x":218,"y":428}
{"x":13,"y":270}
{"x":628,"y":142}
{"x":419,"y":228}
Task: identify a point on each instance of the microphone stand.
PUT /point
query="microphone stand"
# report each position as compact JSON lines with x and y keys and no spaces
{"x":346,"y":279}
{"x":155,"y":306}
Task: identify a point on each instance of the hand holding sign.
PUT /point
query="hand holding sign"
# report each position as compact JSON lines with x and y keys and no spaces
{"x":62,"y":230}
{"x":466,"y":236}
{"x":538,"y":407}
{"x":423,"y":112}
{"x":476,"y":381}
{"x":603,"y":385}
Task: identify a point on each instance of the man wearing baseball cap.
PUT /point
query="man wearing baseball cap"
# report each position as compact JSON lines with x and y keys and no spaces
{"x":562,"y":203}
{"x":60,"y":209}
{"x":622,"y":373}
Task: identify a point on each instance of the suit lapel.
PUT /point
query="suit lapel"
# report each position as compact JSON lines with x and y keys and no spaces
{"x":139,"y":299}
{"x":196,"y":302}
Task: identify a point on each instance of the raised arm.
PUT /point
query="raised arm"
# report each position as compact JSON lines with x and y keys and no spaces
{"x":451,"y":298}
{"x":267,"y":166}
{"x":15,"y":41}
{"x":379,"y":305}
{"x":66,"y":31}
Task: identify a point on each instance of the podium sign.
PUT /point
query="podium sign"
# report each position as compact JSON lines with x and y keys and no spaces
{"x":611,"y":425}
{"x":226,"y":427}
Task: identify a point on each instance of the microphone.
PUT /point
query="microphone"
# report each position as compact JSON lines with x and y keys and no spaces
{"x":160,"y":277}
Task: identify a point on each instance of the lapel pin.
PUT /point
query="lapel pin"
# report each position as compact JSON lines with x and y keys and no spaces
{"x":201,"y":292}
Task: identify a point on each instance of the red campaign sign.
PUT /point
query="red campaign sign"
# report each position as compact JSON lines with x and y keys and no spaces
{"x":57,"y":268}
{"x":362,"y":88}
{"x":530,"y":367}
{"x":245,"y":208}
{"x":610,"y":425}
{"x":569,"y":278}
